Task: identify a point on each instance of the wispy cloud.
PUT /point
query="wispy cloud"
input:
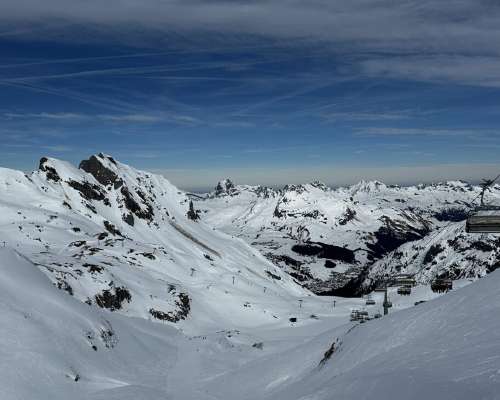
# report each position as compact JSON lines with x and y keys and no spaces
{"x":455,"y":42}
{"x":366,"y":116}
{"x":59,"y":148}
{"x":44,"y":115}
{"x":115,"y":118}
{"x":392,"y":131}
{"x":141,"y":118}
{"x":442,"y":68}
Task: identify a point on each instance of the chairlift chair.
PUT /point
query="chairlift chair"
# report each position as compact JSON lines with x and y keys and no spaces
{"x":441,"y":285}
{"x":404,"y":290}
{"x":486,"y":217}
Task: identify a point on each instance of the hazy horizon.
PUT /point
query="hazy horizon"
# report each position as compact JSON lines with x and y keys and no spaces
{"x":188,"y":179}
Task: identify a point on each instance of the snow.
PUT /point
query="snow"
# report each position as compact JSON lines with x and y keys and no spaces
{"x":238,"y":339}
{"x":355,"y":218}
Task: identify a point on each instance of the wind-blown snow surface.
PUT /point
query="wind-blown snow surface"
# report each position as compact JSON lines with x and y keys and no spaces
{"x":343,"y":240}
{"x":448,"y":348}
{"x":54,"y":346}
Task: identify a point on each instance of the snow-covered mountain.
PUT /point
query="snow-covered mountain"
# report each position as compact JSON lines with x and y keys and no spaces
{"x":115,"y":286}
{"x":346,"y":240}
{"x":124,"y":240}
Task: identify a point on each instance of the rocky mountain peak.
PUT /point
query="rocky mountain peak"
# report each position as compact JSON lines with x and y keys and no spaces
{"x":368,"y":187}
{"x":319,"y":185}
{"x":101,"y":168}
{"x":225,"y":187}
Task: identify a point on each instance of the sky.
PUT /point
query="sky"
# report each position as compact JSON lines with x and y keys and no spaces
{"x":265,"y":92}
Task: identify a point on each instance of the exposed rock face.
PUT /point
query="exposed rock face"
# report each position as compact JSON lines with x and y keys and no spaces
{"x":88,"y":190}
{"x":183,"y":307}
{"x":118,"y":238}
{"x":95,"y":167}
{"x":113,"y":299}
{"x":133,"y":206}
{"x":51,"y":172}
{"x":225,"y":187}
{"x":193,"y":214}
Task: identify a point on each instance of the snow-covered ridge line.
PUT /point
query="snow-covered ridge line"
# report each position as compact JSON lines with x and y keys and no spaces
{"x":305,"y":229}
{"x":122,"y":239}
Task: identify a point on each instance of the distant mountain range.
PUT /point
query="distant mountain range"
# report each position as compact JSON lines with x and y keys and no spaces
{"x":348,"y":240}
{"x":117,"y":285}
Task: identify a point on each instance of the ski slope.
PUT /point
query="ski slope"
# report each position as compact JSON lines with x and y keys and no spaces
{"x":54,"y":346}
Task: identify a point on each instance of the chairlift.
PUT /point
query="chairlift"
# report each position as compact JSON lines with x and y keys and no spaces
{"x":486,"y":217}
{"x":355,"y":315}
{"x":404,"y":290}
{"x":370,"y":301}
{"x":441,"y":285}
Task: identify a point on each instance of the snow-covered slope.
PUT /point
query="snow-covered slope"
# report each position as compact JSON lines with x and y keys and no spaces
{"x":120,"y":239}
{"x":128,"y":244}
{"x":329,"y":240}
{"x":444,"y":349}
{"x":56,"y":347}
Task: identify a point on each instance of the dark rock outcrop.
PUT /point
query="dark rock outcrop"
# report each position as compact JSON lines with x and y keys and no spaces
{"x":193,"y":214}
{"x":183,"y":307}
{"x":112,"y":300}
{"x":102,"y":174}
{"x":88,"y":190}
{"x":50,"y":172}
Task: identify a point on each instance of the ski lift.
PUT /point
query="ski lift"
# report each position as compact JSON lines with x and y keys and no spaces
{"x":404,"y":290}
{"x":377,"y":315}
{"x":370,"y":301}
{"x":486,"y":217}
{"x":441,"y":285}
{"x":355,"y":315}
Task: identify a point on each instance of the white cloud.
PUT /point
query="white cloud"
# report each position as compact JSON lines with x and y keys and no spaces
{"x":454,"y":41}
{"x":392,"y":131}
{"x":131,"y":118}
{"x":467,"y":70}
{"x":45,"y":115}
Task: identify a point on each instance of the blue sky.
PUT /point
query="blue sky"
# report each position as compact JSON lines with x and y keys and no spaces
{"x":270,"y":92}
